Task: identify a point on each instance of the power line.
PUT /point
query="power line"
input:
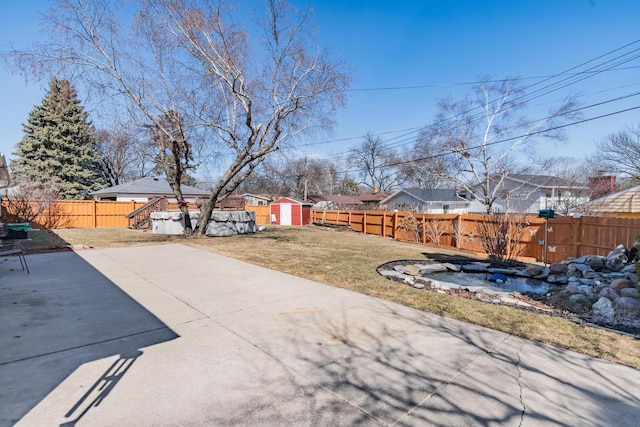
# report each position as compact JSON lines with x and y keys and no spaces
{"x":439,"y":85}
{"x":460,"y":151}
{"x":529,"y":95}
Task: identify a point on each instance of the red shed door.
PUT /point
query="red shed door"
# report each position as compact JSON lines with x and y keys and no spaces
{"x":285,"y":213}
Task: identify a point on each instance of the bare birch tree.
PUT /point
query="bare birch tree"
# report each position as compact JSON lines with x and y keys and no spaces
{"x":242,"y":92}
{"x":483,"y":133}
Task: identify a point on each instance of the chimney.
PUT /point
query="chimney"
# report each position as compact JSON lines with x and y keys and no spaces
{"x":601,"y":185}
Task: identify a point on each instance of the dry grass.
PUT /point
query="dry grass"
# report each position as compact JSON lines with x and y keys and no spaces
{"x":349,"y":260}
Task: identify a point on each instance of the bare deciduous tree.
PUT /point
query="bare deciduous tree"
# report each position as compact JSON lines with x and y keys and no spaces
{"x":500,"y":235}
{"x":434,"y":230}
{"x":240,"y":100}
{"x":483,"y":132}
{"x":125,"y":156}
{"x":376,"y":164}
{"x":619,"y":153}
{"x":31,"y":200}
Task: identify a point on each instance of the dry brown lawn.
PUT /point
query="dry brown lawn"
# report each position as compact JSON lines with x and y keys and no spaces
{"x":349,"y":260}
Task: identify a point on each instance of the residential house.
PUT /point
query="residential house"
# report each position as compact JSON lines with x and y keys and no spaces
{"x":145,"y":189}
{"x":372,"y":201}
{"x":239,"y":201}
{"x":624,"y":203}
{"x":525,"y":193}
{"x":333,"y":202}
{"x":431,"y":201}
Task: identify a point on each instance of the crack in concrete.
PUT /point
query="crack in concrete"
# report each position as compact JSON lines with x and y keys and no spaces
{"x":524,"y":408}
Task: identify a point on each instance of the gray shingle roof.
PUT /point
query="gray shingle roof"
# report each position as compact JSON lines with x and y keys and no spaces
{"x":432,"y":195}
{"x":151,"y":186}
{"x":543,"y":180}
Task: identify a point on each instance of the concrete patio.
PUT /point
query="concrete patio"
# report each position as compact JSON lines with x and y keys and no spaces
{"x":172,"y":335}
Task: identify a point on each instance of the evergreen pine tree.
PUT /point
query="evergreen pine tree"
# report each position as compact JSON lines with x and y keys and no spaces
{"x":59,"y":147}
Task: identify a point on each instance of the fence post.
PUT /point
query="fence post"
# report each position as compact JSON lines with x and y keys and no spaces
{"x":95,"y":214}
{"x":384,"y":224}
{"x":577,"y":231}
{"x":364,"y":222}
{"x":395,"y":224}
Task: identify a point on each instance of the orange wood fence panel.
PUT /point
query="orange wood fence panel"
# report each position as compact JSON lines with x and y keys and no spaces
{"x":101,"y":213}
{"x":565,"y":236}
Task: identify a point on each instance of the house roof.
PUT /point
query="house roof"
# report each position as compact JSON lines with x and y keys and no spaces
{"x":429,"y":195}
{"x":257,"y":196}
{"x":293,"y":199}
{"x":150,"y":185}
{"x":374,"y":197}
{"x":609,"y":196}
{"x":335,"y":199}
{"x":543,"y":181}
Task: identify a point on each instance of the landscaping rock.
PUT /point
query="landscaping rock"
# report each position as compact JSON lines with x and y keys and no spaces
{"x":572,"y":288}
{"x":452,"y":267}
{"x":589,"y":282}
{"x":585,"y":289}
{"x":590,"y":274}
{"x":580,"y":303}
{"x":609,"y":293}
{"x":432,"y":268}
{"x":595,"y":262}
{"x":572,"y":271}
{"x":557,"y":268}
{"x":603,"y":310}
{"x":391,"y":273}
{"x":627,"y":306}
{"x":534,"y":270}
{"x":630,"y":292}
{"x":613,"y":276}
{"x":413,"y":269}
{"x":614,"y":264}
{"x":621,"y":283}
{"x":418,"y":285}
{"x":474,"y":268}
{"x":581,"y":260}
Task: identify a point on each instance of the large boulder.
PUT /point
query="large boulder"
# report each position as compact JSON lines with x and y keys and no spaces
{"x":534,"y":270}
{"x":595,"y":262}
{"x":621,"y":284}
{"x":557,"y":268}
{"x":603,"y":310}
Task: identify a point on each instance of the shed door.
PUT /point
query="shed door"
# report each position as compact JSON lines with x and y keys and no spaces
{"x":285,"y":213}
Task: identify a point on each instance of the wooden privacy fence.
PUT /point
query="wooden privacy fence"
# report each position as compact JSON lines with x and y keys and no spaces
{"x":566,"y":236}
{"x":96,"y":213}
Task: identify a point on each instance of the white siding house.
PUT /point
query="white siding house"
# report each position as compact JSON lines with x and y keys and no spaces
{"x":420,"y":200}
{"x":145,"y":189}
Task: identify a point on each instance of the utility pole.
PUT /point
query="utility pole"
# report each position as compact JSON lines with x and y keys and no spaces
{"x":305,"y":177}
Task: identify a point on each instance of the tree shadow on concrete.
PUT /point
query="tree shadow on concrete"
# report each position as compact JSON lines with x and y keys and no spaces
{"x":62,"y":316}
{"x":392,"y":365}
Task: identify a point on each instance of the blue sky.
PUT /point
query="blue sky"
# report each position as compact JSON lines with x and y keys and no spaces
{"x":390,"y":44}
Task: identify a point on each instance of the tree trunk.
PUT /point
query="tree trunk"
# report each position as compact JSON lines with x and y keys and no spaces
{"x":184,"y":208}
{"x":203,"y":221}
